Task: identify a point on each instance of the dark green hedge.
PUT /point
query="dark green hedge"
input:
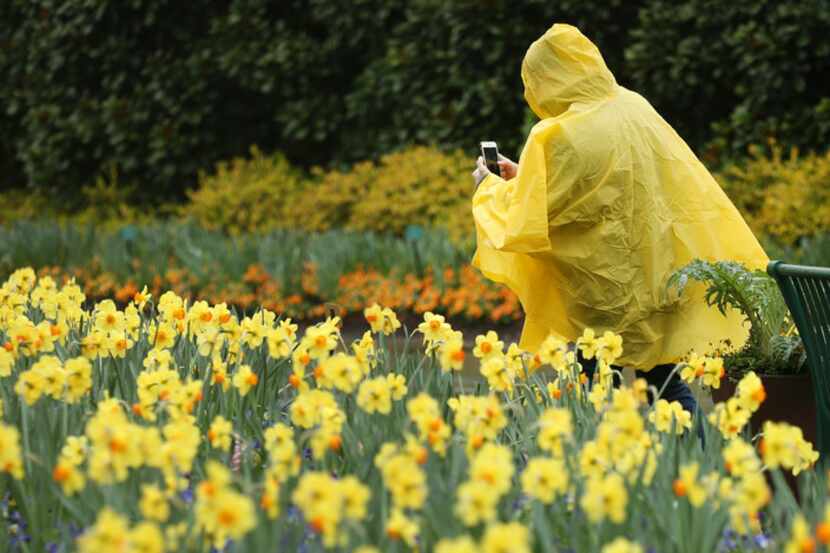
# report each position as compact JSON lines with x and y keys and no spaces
{"x":729,"y":74}
{"x":162,"y":88}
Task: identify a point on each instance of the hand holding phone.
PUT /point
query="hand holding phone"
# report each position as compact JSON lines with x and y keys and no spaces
{"x":490,"y":153}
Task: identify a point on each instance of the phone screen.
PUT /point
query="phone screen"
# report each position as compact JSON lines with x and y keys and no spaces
{"x":490,"y":153}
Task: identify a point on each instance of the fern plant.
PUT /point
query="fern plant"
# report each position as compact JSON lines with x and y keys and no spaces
{"x":772,"y":346}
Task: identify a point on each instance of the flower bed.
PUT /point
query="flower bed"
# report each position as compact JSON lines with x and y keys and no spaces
{"x":169,"y":426}
{"x":463,"y":294}
{"x":304,"y":276}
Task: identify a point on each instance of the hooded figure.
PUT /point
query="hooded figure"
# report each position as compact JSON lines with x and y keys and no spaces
{"x":607,"y":203}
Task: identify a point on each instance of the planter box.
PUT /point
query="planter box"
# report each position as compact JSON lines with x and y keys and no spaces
{"x":790,"y":399}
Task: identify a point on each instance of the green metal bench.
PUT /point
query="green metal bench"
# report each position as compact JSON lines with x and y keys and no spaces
{"x":807,"y":293}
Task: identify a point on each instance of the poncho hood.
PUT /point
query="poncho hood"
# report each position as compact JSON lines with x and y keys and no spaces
{"x":563,"y":68}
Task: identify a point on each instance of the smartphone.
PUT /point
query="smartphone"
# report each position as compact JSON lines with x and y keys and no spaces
{"x":490,"y":153}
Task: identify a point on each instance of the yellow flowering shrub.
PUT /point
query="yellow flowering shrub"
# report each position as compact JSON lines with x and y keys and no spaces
{"x":334,"y":195}
{"x":246,"y":195}
{"x":107,"y":202}
{"x":23,"y":204}
{"x":782,"y":195}
{"x":419,"y":186}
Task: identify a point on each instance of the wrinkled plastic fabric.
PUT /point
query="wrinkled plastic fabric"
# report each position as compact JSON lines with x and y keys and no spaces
{"x":608,"y":202}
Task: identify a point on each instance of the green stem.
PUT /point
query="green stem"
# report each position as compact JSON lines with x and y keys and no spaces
{"x":26,"y":447}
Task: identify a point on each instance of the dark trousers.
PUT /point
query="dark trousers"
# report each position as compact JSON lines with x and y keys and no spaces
{"x":676,"y":389}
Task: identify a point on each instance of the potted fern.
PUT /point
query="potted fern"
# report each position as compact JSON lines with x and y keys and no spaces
{"x":773,"y":351}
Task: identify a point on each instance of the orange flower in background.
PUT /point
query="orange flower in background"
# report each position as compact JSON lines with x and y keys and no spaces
{"x":462,"y":292}
{"x":126,"y":292}
{"x":255,"y":274}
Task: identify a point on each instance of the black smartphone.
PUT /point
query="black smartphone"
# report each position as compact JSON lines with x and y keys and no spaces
{"x":490,"y":153}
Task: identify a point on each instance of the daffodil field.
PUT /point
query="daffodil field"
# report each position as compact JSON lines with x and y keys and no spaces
{"x":158,"y":425}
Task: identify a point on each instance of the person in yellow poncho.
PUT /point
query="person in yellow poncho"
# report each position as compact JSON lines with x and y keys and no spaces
{"x":605,"y":203}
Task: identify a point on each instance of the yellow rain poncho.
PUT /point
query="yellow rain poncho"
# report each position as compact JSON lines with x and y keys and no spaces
{"x":608,"y":202}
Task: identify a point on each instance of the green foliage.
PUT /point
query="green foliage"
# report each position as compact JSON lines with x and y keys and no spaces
{"x":748,"y":68}
{"x":21,"y":204}
{"x":88,"y":85}
{"x":770,"y":348}
{"x":160,"y":90}
{"x":813,"y":251}
{"x":449,"y":72}
{"x":108,"y":202}
{"x":142,"y":252}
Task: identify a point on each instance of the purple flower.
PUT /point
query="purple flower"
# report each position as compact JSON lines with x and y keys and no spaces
{"x":519,"y":502}
{"x":19,"y":537}
{"x":761,"y":541}
{"x":74,"y":530}
{"x":728,"y":541}
{"x":17,"y":518}
{"x":187,"y":495}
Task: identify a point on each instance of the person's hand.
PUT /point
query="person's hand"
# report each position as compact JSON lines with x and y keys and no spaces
{"x":507,"y":167}
{"x":481,"y":171}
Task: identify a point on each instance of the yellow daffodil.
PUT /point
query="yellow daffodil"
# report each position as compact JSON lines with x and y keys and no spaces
{"x":784,"y":446}
{"x":153,"y":504}
{"x":7,"y":362}
{"x":434,"y":328}
{"x":397,"y":385}
{"x":476,"y":502}
{"x":488,"y":345}
{"x":801,"y":539}
{"x":750,"y":391}
{"x":686,"y":485}
{"x":400,"y":527}
{"x":609,"y":347}
{"x":730,"y":417}
{"x":110,"y":533}
{"x":492,"y":465}
{"x":244,"y":379}
{"x":220,"y":511}
{"x":555,"y":426}
{"x":499,"y":377}
{"x":462,"y":544}
{"x":622,"y":545}
{"x":605,"y":498}
{"x":670,"y":417}
{"x":374,"y":316}
{"x":219,"y":434}
{"x":713,"y":372}
{"x":146,"y":537}
{"x":374,"y":396}
{"x":451,"y":355}
{"x":545,"y":479}
{"x":10,"y":452}
{"x":588,"y":343}
{"x":405,"y":480}
{"x":552,"y":352}
{"x":511,"y":537}
{"x":740,"y":458}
